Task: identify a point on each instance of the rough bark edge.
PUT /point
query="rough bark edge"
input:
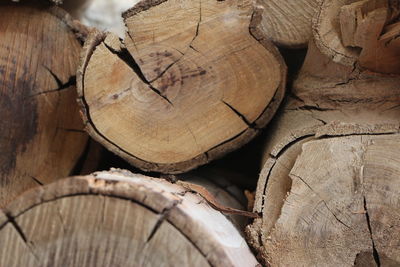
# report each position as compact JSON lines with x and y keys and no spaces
{"x":81,"y":31}
{"x":142,"y":5}
{"x":330,"y":130}
{"x":94,"y":184}
{"x":324,"y":48}
{"x":335,"y":56}
{"x":254,"y":231}
{"x":96,"y":37}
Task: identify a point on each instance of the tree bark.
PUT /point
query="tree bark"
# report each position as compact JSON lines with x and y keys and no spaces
{"x":41,"y":137}
{"x":329,"y":187}
{"x":188,"y":84}
{"x":118,"y":218}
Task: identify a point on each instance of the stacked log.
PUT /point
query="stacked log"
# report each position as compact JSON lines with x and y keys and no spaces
{"x":328,"y":190}
{"x":185,"y":84}
{"x":41,"y":137}
{"x":188,"y":84}
{"x":118,"y":219}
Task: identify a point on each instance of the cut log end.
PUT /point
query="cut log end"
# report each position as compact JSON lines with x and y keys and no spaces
{"x":324,"y":192}
{"x":188,"y":83}
{"x":364,"y":32}
{"x":118,"y":219}
{"x":42,"y":136}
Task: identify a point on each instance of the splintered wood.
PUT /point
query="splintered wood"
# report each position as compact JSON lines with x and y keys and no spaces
{"x":364,"y":31}
{"x":41,"y":136}
{"x":329,"y":187}
{"x":188,"y":84}
{"x":118,"y":219}
{"x":335,"y":212}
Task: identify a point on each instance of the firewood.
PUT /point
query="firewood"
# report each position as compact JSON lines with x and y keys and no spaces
{"x":288,"y":22}
{"x":190,"y":82}
{"x":328,"y":190}
{"x":118,"y":218}
{"x":42,"y":136}
{"x":364,"y":32}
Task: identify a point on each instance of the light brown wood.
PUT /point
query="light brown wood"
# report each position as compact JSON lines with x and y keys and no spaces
{"x":360,"y":32}
{"x":188,"y":84}
{"x":288,"y":22}
{"x":41,"y":136}
{"x":296,"y":227}
{"x":330,"y":165}
{"x":118,"y":218}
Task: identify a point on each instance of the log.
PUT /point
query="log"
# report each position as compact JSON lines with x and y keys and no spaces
{"x":118,"y":218}
{"x":360,"y":33}
{"x":288,"y":22}
{"x":190,"y":82}
{"x":328,"y":191}
{"x":42,"y":136}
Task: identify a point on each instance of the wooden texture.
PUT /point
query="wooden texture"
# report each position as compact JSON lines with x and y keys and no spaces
{"x":118,"y":219}
{"x":361,"y":32}
{"x":328,"y":188}
{"x":41,"y":137}
{"x":288,"y":22}
{"x":317,"y":222}
{"x":188,"y":84}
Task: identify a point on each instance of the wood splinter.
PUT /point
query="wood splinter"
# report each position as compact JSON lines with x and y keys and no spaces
{"x":202,"y":191}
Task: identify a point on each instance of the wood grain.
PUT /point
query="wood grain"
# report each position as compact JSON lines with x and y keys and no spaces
{"x":288,"y":22}
{"x":189,"y":92}
{"x":118,"y":219}
{"x":41,"y":137}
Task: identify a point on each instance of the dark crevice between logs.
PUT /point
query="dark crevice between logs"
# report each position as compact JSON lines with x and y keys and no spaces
{"x":77,"y":169}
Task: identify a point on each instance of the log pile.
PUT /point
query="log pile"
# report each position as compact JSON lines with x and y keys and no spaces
{"x":127,"y":218}
{"x":186,"y":84}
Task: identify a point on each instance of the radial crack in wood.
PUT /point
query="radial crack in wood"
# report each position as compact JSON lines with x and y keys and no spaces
{"x":322,"y":172}
{"x":39,"y":55}
{"x":191,"y":81}
{"x":118,"y":218}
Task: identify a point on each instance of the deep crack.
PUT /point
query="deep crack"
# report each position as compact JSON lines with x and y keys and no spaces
{"x":21,"y":234}
{"x":163,"y":216}
{"x":374,"y":250}
{"x":60,"y":85}
{"x":36,"y":180}
{"x":17,"y":227}
{"x":127,"y":58}
{"x":240,"y":115}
